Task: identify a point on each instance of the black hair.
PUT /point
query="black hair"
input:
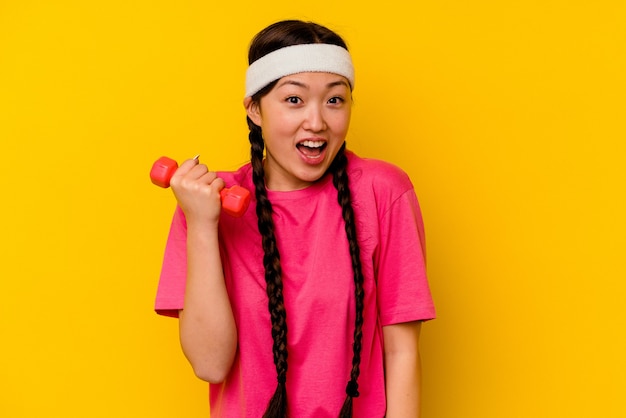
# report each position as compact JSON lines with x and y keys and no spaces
{"x":276,"y":36}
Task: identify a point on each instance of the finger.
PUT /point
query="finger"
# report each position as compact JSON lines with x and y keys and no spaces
{"x":217,"y":183}
{"x":189,"y":172}
{"x":187,"y":165}
{"x":208,"y":177}
{"x":198,"y":172}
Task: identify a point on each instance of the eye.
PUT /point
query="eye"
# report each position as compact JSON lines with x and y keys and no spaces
{"x":293,"y":100}
{"x":336,"y":100}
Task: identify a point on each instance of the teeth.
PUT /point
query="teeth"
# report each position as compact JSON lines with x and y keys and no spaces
{"x":312,"y":144}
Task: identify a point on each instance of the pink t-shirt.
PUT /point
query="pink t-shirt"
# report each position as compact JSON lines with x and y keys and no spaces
{"x":318,"y":290}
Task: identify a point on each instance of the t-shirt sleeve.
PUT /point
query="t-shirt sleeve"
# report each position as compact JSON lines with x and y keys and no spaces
{"x":402,"y":284}
{"x":171,"y":289}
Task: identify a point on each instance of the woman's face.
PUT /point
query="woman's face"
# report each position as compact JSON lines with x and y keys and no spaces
{"x":304,"y":119}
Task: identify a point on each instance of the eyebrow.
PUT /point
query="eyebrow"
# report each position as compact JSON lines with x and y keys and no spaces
{"x":306,"y":86}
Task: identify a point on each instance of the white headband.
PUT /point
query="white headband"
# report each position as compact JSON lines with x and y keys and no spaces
{"x":325,"y":58}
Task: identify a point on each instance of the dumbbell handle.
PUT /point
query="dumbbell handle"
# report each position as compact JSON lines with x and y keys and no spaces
{"x":235,"y":199}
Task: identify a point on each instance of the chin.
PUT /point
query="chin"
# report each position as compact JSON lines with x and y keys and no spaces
{"x":313,"y":175}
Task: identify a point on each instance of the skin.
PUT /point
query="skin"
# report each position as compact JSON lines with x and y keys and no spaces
{"x":306,"y":108}
{"x":301,"y":107}
{"x":207,"y":328}
{"x":402,"y":369}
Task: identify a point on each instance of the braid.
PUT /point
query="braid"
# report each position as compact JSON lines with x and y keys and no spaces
{"x":277,"y":406}
{"x":340,"y":180}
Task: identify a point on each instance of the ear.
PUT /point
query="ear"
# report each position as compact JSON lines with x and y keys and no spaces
{"x":253,"y":110}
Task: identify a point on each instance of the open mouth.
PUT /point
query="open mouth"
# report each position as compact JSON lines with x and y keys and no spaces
{"x":310,"y":148}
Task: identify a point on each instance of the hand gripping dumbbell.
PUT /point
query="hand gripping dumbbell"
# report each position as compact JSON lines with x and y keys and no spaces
{"x":235,"y":199}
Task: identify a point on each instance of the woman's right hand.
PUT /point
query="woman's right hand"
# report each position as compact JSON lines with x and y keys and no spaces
{"x":197,"y":191}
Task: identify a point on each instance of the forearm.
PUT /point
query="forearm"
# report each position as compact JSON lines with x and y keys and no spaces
{"x":208,"y":332}
{"x":402,"y":370}
{"x":403,"y":385}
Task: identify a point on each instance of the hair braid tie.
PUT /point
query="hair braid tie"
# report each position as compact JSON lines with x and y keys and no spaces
{"x":352,"y":389}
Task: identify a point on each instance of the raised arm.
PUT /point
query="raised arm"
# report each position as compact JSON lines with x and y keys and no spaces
{"x":208,"y":333}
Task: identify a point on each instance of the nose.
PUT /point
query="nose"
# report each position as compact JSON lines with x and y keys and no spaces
{"x":314,"y":118}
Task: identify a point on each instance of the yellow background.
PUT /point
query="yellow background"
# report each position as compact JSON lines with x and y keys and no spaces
{"x":508,"y":116}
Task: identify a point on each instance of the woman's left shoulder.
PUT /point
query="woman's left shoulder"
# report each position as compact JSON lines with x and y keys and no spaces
{"x":377,"y":173}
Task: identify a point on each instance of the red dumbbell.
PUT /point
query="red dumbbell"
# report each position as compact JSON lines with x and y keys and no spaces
{"x":235,"y":199}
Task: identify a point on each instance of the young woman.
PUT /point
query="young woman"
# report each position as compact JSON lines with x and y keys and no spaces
{"x":309,"y":306}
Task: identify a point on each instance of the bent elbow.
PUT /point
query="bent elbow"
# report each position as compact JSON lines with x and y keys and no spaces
{"x":212,"y":374}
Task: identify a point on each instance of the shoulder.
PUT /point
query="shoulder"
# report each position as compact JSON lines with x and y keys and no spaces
{"x":380,"y":176}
